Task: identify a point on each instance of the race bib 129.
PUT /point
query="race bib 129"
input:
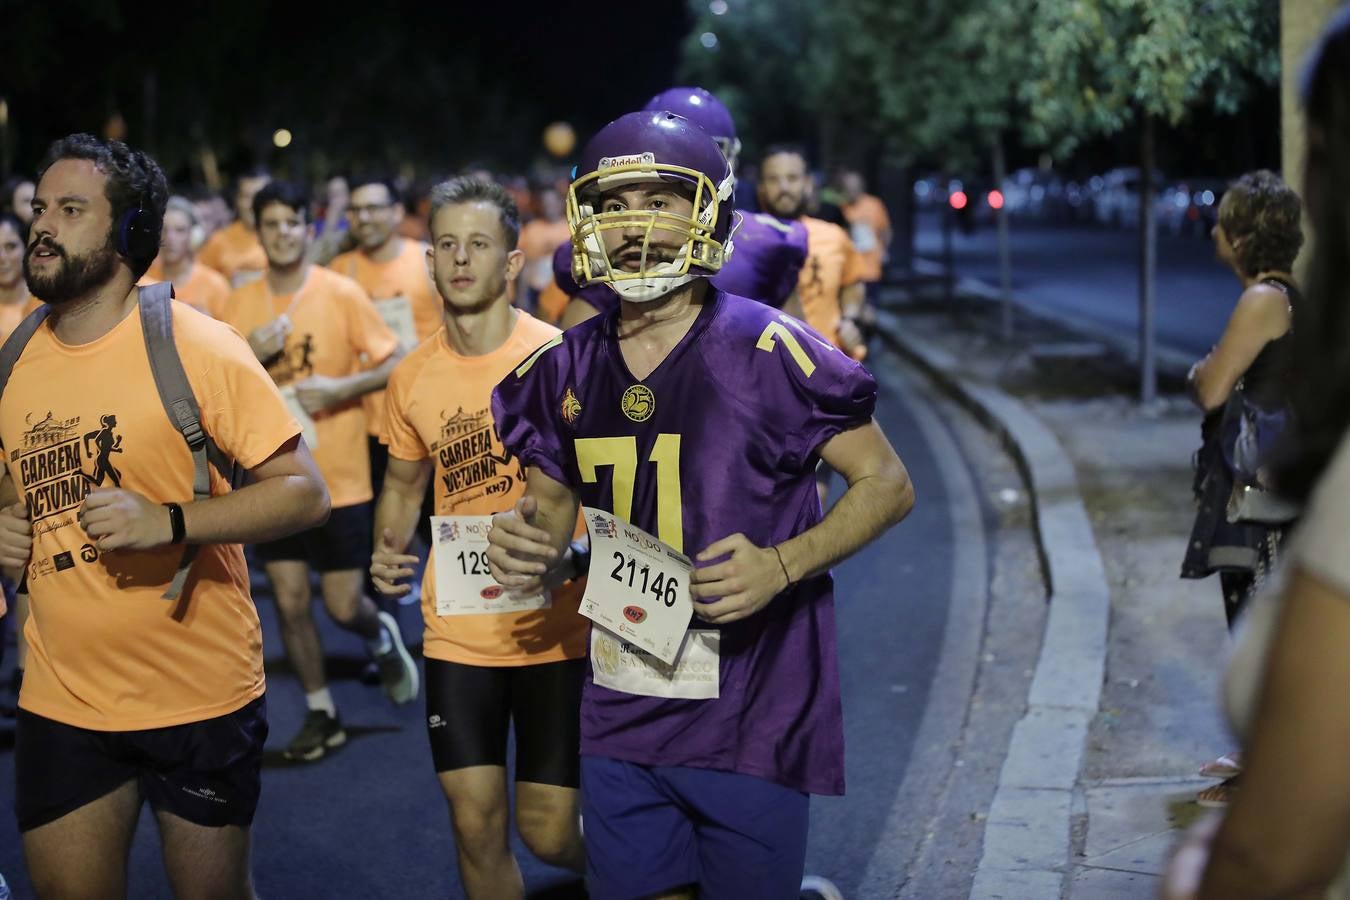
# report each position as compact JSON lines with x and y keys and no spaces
{"x":464,"y":586}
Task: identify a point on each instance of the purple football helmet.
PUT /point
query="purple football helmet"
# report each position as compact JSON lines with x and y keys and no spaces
{"x":650,"y":146}
{"x":705,"y":111}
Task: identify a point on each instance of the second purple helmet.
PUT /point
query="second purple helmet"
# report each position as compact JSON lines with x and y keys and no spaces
{"x":704,"y":110}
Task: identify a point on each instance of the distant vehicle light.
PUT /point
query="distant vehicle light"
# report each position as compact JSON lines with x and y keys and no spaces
{"x":1207,"y":198}
{"x":1095,"y":182}
{"x":995,"y":199}
{"x":1180,"y":201}
{"x":958,"y":200}
{"x":922,"y":189}
{"x":1037,"y":193}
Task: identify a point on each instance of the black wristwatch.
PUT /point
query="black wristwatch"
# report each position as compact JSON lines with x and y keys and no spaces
{"x":581,"y":559}
{"x":176,"y":523}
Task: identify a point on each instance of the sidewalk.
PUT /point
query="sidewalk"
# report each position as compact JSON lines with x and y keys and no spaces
{"x":1156,"y":718}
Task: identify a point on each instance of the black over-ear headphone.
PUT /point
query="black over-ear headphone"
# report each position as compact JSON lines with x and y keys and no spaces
{"x":138,"y":233}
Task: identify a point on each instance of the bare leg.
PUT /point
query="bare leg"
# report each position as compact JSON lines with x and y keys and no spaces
{"x":549,"y":821}
{"x":290,"y":586}
{"x":206,"y":863}
{"x":83,"y":854}
{"x":478,"y":812}
{"x":345,"y":598}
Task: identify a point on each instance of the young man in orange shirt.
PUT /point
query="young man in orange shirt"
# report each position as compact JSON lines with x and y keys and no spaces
{"x":869,"y":224}
{"x":311,"y":328}
{"x":488,"y":663}
{"x":830,"y":289}
{"x":193,"y":283}
{"x":393,"y":271}
{"x":234,"y":251}
{"x":128,"y":697}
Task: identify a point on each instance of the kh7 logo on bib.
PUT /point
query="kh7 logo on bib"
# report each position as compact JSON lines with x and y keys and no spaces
{"x":638,"y":403}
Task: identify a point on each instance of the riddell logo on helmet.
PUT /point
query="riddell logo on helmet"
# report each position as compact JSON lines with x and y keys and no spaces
{"x":636,"y":159}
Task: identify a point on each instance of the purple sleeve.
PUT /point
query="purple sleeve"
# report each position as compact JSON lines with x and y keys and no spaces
{"x":792,"y":254}
{"x":600,"y":296}
{"x":838,"y":395}
{"x":526,"y":410}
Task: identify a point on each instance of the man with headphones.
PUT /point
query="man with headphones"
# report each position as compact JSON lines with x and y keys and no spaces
{"x":134,"y":690}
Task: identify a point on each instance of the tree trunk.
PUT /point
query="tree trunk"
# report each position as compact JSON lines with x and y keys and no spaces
{"x":1148,"y":259}
{"x":1004,"y":248}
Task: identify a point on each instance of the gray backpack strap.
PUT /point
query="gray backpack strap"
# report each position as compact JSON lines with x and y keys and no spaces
{"x":17,"y":341}
{"x":175,"y":393}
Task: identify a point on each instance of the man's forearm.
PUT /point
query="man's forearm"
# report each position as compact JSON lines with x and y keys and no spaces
{"x":869,"y":506}
{"x":851,"y":300}
{"x":361,"y":383}
{"x":397,"y":512}
{"x":557,"y":515}
{"x":263,"y":511}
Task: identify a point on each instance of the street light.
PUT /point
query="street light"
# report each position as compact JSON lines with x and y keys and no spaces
{"x":708,"y":40}
{"x":718,"y":7}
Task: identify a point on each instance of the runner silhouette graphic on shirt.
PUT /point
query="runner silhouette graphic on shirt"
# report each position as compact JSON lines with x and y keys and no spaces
{"x":106,"y":444}
{"x":306,"y":348}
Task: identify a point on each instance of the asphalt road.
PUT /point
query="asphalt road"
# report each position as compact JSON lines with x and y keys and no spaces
{"x":370,"y":820}
{"x":1091,"y":272}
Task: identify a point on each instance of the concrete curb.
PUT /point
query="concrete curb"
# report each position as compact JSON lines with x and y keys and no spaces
{"x":1027,"y":837}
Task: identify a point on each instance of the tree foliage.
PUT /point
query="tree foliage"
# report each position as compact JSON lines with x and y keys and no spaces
{"x":942,"y":79}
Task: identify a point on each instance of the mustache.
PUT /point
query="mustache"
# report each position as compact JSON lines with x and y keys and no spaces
{"x":48,"y":244}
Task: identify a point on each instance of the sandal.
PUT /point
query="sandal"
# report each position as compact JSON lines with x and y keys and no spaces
{"x":1219,"y":795}
{"x":1225,"y":766}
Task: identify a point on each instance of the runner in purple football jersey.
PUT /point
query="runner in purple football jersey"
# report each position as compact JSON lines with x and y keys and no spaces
{"x":698,"y":416}
{"x":766,"y":254}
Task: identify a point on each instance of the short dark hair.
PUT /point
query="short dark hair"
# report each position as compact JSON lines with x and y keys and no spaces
{"x":287,"y":193}
{"x":1264,"y":214}
{"x":366,"y":179}
{"x":789,"y":148}
{"x":135,"y":181}
{"x":477,"y":190}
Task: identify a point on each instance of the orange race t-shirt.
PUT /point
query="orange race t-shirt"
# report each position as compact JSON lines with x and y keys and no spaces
{"x":869,"y":220}
{"x":204,"y":288}
{"x":832,"y":264}
{"x":405,"y":275}
{"x":234,"y":252}
{"x":106,"y":652}
{"x":333,"y":323}
{"x":440,"y":405}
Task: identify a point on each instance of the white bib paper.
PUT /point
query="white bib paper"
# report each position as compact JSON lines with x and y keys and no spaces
{"x":638,"y":587}
{"x":864,"y":237}
{"x":245,"y":276}
{"x":307,"y":429}
{"x":398,"y":315}
{"x":464,"y":585}
{"x":620,"y":666}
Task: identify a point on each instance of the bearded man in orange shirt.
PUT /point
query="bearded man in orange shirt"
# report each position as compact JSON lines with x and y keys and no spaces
{"x":127,"y":697}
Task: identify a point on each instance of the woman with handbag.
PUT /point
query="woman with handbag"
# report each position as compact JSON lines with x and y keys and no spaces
{"x":1243,"y":387}
{"x":1286,"y":834}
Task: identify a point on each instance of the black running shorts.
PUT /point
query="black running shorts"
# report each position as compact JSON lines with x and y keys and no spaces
{"x":341,"y":543}
{"x":469,"y":709}
{"x":207,"y":772}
